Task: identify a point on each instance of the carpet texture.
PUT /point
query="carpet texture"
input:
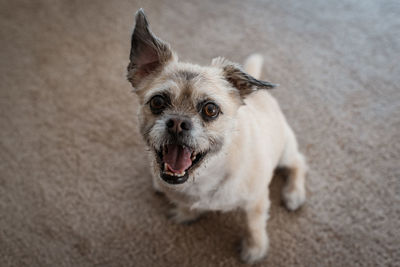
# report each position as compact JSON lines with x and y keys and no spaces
{"x":75,"y":187}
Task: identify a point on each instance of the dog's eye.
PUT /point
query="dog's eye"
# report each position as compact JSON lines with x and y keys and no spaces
{"x":157,"y":103}
{"x":210,"y":110}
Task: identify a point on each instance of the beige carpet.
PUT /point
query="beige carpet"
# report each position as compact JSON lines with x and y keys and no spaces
{"x":75,"y":189}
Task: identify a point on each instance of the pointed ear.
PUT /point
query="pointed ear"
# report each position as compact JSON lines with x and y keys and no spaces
{"x":148,"y":53}
{"x":239,"y":79}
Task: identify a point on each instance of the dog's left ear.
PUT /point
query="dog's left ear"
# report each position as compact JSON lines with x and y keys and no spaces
{"x":148,"y":53}
{"x":239,"y":79}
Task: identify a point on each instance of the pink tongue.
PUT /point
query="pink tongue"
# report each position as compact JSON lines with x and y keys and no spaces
{"x":177,"y":158}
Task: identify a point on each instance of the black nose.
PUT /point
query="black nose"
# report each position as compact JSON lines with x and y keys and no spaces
{"x":179,"y":125}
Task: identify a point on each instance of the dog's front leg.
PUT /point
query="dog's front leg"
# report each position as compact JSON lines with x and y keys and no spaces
{"x":255,"y":245}
{"x":183,"y":215}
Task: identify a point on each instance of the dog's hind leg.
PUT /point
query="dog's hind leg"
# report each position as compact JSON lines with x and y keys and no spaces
{"x":293,"y":193}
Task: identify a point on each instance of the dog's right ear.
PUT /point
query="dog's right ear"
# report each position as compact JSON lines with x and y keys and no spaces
{"x":148,"y":53}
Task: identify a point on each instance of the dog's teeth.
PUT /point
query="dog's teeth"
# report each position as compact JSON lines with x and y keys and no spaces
{"x":169,"y":173}
{"x":166,"y":171}
{"x":180,"y":174}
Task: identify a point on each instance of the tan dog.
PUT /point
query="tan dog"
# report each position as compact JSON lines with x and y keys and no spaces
{"x":215,"y":137}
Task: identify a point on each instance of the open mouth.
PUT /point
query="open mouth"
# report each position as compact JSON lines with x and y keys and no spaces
{"x":176,"y":161}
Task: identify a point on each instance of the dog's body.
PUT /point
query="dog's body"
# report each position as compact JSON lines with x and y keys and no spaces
{"x":216,"y":139}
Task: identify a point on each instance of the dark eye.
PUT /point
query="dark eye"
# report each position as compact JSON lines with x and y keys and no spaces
{"x":210,"y":110}
{"x":157,"y":104}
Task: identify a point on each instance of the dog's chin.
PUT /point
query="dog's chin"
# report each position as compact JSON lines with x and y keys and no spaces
{"x":178,"y":177}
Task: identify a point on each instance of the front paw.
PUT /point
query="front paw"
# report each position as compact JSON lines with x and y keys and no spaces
{"x":182,"y":215}
{"x":251,"y":253}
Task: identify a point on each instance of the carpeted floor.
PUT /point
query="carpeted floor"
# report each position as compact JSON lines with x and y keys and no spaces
{"x":75,"y":189}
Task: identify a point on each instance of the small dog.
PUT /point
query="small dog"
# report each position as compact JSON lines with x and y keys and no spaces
{"x":215,"y":136}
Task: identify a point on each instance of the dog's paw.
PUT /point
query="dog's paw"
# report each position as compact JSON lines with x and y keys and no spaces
{"x":182,"y":215}
{"x":253,"y":253}
{"x":294,"y":198}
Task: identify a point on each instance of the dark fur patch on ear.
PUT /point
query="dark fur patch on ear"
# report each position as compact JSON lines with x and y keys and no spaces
{"x":244,"y":82}
{"x":147,"y":53}
{"x":235,"y":75}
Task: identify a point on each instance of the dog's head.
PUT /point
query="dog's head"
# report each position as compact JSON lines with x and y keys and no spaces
{"x":187,"y":112}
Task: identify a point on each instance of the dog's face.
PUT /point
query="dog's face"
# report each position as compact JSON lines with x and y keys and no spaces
{"x":186,"y":116}
{"x":187,"y":112}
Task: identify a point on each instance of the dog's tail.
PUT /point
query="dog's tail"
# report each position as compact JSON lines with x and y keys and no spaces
{"x":253,"y":65}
